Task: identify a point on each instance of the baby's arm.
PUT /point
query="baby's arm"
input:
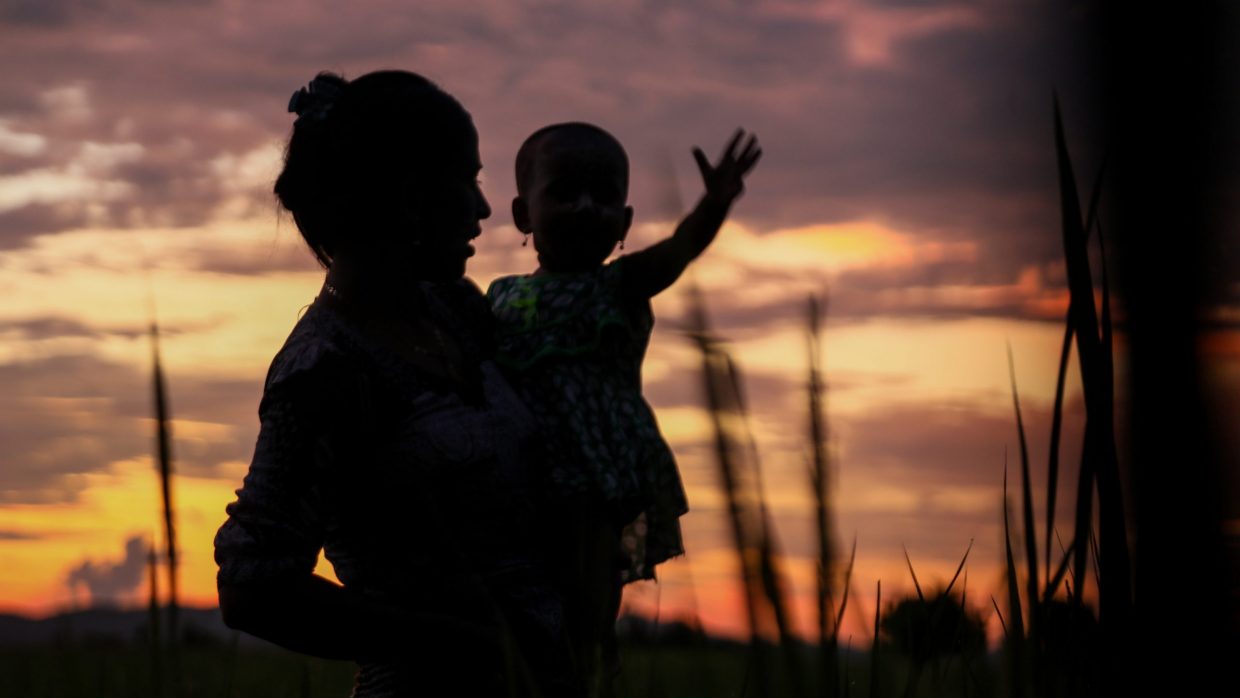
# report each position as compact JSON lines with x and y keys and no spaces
{"x":648,"y":272}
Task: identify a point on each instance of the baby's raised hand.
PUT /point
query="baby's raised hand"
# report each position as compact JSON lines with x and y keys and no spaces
{"x":726,"y":180}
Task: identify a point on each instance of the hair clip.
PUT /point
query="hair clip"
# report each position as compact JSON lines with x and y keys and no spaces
{"x":314,"y":100}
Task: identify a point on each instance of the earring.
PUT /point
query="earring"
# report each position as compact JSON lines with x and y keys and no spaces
{"x":526,"y":241}
{"x":622,"y":244}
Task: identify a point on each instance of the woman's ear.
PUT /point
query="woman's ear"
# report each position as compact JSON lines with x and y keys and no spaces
{"x":521,"y":215}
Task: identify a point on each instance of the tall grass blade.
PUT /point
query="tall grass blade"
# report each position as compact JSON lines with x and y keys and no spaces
{"x":157,"y":647}
{"x":966,"y":658}
{"x":847,"y":665}
{"x":820,"y":466}
{"x":1108,"y":358}
{"x":1002,"y":622}
{"x":1031,"y":546}
{"x":1091,"y":214}
{"x":878,"y":618}
{"x":753,"y":538}
{"x":1013,"y":584}
{"x":163,"y":438}
{"x":960,"y":567}
{"x":839,"y":617}
{"x":1115,"y":599}
{"x":820,"y":478}
{"x":1084,"y":515}
{"x":916,"y":585}
{"x":1052,"y":469}
{"x":1016,"y":634}
{"x":1053,"y":581}
{"x":1093,"y":544}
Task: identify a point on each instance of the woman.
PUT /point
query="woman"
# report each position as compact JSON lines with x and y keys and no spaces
{"x":388,"y":439}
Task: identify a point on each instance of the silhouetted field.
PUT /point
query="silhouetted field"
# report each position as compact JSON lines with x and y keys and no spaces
{"x":714,"y":670}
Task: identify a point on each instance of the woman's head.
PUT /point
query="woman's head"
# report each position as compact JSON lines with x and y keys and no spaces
{"x":384,"y":166}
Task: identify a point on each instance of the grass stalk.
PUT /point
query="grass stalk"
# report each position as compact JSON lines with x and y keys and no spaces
{"x":916,"y":584}
{"x":157,"y":649}
{"x":1016,"y":631}
{"x":1115,"y":598}
{"x":163,"y":439}
{"x":1052,"y":469}
{"x":820,"y":478}
{"x":874,"y":647}
{"x":736,"y":457}
{"x":839,"y":615}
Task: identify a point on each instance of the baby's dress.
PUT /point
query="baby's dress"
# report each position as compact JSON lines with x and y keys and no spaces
{"x":573,"y":347}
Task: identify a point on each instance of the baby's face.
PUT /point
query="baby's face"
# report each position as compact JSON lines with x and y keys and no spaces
{"x":575,"y":205}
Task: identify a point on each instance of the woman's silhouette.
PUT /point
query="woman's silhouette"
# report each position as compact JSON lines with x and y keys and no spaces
{"x":388,"y":439}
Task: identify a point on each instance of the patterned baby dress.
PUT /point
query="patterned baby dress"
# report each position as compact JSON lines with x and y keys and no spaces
{"x":573,"y":346}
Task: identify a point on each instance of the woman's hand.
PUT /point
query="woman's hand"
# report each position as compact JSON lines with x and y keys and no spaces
{"x":314,"y":616}
{"x":725,"y":181}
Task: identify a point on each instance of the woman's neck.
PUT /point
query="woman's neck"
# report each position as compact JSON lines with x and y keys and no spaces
{"x":371,"y":284}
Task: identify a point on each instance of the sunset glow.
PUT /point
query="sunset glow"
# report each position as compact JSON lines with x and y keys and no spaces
{"x":907,"y":180}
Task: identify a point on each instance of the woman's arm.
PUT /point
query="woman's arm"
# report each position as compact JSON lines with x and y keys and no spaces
{"x":314,"y":616}
{"x":313,"y":427}
{"x":648,"y":272}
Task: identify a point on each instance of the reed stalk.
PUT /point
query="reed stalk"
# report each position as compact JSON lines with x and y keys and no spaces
{"x":878,"y":619}
{"x":157,"y":665}
{"x":820,"y":481}
{"x":1115,"y":598}
{"x":753,"y":538}
{"x":163,"y":440}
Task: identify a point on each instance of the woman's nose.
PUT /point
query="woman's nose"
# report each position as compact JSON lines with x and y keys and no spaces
{"x":484,"y":207}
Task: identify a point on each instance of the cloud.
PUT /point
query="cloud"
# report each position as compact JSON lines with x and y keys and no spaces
{"x":55,"y":327}
{"x":20,"y":144}
{"x":944,"y":131}
{"x":68,"y":103}
{"x":67,"y":415}
{"x":107,"y":581}
{"x":11,"y":535}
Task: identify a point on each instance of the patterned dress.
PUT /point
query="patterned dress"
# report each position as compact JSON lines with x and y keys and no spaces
{"x":414,"y":489}
{"x":573,"y":347}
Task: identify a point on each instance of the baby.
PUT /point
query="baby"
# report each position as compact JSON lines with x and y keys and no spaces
{"x":572,"y":337}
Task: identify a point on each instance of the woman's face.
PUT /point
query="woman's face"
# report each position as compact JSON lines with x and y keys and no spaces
{"x":444,"y":215}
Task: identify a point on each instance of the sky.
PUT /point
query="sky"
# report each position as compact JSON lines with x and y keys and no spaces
{"x":908,"y":173}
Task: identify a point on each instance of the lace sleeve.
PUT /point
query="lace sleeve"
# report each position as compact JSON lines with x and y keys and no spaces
{"x":275,"y":528}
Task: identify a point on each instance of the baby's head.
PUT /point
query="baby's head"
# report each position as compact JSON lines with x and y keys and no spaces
{"x":572,"y":193}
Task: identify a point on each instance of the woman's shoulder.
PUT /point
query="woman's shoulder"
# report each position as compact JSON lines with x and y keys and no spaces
{"x":314,"y":352}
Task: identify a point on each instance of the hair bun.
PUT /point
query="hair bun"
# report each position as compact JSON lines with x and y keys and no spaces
{"x":315,"y":100}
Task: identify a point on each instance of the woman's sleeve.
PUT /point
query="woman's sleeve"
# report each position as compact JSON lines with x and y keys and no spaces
{"x":276,"y":526}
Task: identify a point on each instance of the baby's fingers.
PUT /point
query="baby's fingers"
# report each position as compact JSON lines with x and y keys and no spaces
{"x":703,"y":164}
{"x":729,"y":153}
{"x":751,"y":145}
{"x":749,"y":157}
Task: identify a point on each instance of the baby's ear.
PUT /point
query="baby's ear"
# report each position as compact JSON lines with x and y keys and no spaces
{"x":521,"y":214}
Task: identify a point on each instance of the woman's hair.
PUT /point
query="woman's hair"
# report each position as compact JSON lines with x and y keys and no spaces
{"x":361,"y":148}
